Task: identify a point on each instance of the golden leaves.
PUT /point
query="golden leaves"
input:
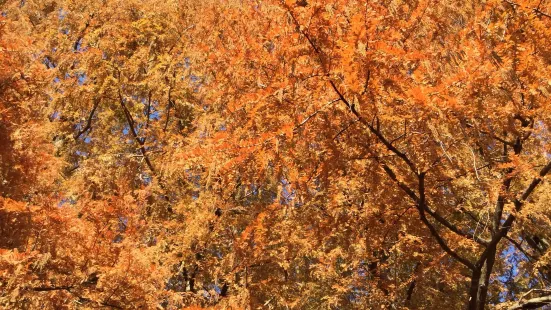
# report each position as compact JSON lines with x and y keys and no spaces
{"x":260,"y":186}
{"x":357,"y":24}
{"x":419,"y":93}
{"x":10,"y":205}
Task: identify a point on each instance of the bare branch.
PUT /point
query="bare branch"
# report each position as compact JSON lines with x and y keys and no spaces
{"x":89,"y":121}
{"x":140,"y":142}
{"x":433,"y":231}
{"x":533,"y":303}
{"x":537,"y":11}
{"x":518,"y":206}
{"x":519,"y":247}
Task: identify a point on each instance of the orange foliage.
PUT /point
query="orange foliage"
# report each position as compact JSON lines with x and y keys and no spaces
{"x":300,"y":154}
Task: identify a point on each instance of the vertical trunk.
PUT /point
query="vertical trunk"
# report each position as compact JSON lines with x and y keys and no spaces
{"x":473,"y":291}
{"x":483,"y":290}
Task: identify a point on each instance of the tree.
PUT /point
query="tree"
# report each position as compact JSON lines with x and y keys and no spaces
{"x":279,"y":154}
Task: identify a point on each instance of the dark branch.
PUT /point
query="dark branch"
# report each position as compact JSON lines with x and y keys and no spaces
{"x":148,"y":115}
{"x":536,"y":11}
{"x":52,"y":288}
{"x":89,"y":121}
{"x":533,"y":303}
{"x":519,"y":247}
{"x":518,"y":206}
{"x":141,"y":142}
{"x":433,"y":231}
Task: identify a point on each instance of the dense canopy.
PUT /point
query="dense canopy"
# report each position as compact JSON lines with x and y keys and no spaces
{"x":297,"y":154}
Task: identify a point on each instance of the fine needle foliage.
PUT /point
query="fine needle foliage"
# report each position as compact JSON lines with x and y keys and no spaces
{"x":276,"y":154}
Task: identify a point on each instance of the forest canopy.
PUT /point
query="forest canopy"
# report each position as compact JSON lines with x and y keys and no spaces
{"x":277,"y":154}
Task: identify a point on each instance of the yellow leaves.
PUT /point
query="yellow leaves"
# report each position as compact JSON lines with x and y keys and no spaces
{"x":243,"y":155}
{"x":362,"y":48}
{"x":217,"y":200}
{"x":419,"y":94}
{"x":279,"y":95}
{"x":357,"y":24}
{"x":255,"y":233}
{"x":416,"y":55}
{"x":10,"y":205}
{"x":290,"y":3}
{"x":328,"y":13}
{"x":220,"y":135}
{"x":288,"y":130}
{"x":388,"y":49}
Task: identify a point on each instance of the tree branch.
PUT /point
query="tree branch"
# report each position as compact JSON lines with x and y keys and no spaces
{"x":89,"y":121}
{"x":439,"y":239}
{"x":519,"y":247}
{"x":148,"y":113}
{"x":518,"y":206}
{"x":168,"y":108}
{"x":140,"y":142}
{"x":351,"y":107}
{"x":428,"y":210}
{"x":52,"y":288}
{"x":537,"y":11}
{"x":532,"y":303}
{"x":454,"y":228}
